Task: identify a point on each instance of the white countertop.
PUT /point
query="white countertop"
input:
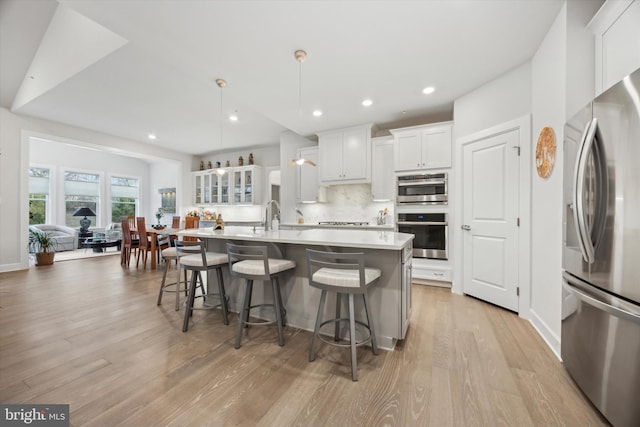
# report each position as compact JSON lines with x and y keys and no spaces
{"x":367,"y":239}
{"x":389,"y":227}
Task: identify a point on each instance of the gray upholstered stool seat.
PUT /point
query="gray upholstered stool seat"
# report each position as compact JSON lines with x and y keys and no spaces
{"x":252,"y":263}
{"x":197,"y":263}
{"x":344,"y":274}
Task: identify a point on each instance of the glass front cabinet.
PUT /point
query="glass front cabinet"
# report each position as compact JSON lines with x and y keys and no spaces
{"x":237,"y":185}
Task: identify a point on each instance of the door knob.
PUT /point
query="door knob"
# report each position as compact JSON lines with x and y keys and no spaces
{"x":465,"y":227}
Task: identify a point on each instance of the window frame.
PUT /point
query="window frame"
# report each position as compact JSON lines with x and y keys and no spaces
{"x":99,"y":201}
{"x":110,"y":196}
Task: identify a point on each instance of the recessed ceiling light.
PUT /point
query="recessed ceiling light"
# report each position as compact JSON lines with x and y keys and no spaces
{"x":429,"y":89}
{"x":317,"y":113}
{"x":367,"y":102}
{"x":152,"y":136}
{"x":233,"y":118}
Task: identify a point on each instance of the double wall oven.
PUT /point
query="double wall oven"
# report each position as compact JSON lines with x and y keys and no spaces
{"x":421,"y":210}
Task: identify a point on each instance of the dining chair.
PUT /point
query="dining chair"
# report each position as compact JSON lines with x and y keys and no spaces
{"x":128,"y":242}
{"x":191,"y":222}
{"x":144,"y":245}
{"x":175,"y":223}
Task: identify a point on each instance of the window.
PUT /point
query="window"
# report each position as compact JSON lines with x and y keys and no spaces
{"x":124,"y":197}
{"x":80,"y":190}
{"x":38,"y":195}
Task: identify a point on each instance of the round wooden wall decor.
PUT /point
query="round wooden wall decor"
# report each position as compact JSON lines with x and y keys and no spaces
{"x":545,"y":152}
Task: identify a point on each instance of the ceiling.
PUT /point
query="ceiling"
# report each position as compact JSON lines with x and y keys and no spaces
{"x":130,"y":68}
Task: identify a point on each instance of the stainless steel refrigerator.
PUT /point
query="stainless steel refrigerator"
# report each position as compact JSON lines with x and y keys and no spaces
{"x":601,"y":255}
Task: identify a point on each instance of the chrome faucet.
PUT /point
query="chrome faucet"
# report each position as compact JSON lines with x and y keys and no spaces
{"x":267,"y":217}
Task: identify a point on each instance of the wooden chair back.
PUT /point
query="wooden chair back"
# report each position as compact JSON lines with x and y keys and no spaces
{"x":175,"y":223}
{"x":128,"y":244}
{"x":142,"y":232}
{"x":126,"y":231}
{"x":191,"y":222}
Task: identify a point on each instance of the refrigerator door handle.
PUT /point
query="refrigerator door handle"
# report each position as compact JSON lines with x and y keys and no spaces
{"x":586,"y":246}
{"x":592,"y":299}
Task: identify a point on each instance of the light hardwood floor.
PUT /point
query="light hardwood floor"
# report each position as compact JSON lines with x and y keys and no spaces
{"x":88,"y":333}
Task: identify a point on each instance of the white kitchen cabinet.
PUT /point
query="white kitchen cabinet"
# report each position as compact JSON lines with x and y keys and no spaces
{"x":307,"y":185}
{"x":382,"y":177}
{"x":207,"y":187}
{"x":422,"y":147}
{"x":238,"y":185}
{"x":198,"y":187}
{"x":246,"y":184}
{"x":344,"y":156}
{"x":617,"y":35}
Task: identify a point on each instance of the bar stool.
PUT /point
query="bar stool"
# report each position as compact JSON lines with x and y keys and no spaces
{"x":252,"y":263}
{"x":197,"y":263}
{"x":168,"y":255}
{"x":344,"y":274}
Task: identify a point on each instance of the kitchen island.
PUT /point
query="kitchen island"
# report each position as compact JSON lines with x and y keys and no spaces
{"x":389,"y":251}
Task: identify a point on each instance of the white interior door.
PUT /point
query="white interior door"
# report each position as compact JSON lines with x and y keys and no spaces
{"x":490,"y":219}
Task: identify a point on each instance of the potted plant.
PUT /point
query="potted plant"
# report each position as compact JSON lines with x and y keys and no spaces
{"x":44,"y":245}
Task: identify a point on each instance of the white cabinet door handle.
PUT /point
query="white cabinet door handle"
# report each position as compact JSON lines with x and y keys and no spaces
{"x":465,"y":227}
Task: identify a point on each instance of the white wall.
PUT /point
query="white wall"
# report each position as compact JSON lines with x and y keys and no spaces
{"x":15,"y":132}
{"x":548,"y":108}
{"x":501,"y":100}
{"x":164,"y":175}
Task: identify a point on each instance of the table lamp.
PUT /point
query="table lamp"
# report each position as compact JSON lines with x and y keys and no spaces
{"x":84,"y":222}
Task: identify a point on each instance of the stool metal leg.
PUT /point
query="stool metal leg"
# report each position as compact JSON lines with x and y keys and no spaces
{"x":336,"y":336}
{"x":191,"y":297}
{"x":162,"y":285}
{"x":352,"y":332}
{"x":316,"y":330}
{"x":374,"y":344}
{"x":274,"y":286}
{"x":178,"y":285}
{"x":282,"y":309}
{"x":250,"y":291}
{"x":241,"y":314}
{"x":223,"y":296}
{"x":202,"y":291}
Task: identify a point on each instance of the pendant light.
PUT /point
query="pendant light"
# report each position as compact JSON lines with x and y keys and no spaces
{"x":300,"y":56}
{"x":221,"y":84}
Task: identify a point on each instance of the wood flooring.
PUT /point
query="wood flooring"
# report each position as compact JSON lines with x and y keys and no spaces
{"x":89,"y":333}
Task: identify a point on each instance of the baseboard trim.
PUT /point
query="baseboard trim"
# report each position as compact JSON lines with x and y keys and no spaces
{"x":13,"y":267}
{"x":549,"y":337}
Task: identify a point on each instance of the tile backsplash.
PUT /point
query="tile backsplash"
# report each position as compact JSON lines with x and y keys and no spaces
{"x":346,"y":203}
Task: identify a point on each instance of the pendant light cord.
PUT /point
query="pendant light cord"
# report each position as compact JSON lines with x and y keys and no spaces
{"x":300,"y":88}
